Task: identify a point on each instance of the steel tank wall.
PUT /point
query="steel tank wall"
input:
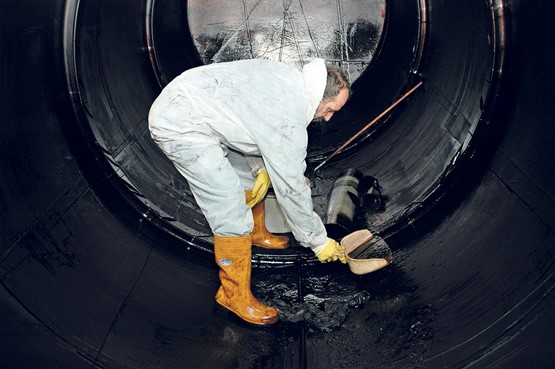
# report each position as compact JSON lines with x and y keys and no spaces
{"x":86,"y":282}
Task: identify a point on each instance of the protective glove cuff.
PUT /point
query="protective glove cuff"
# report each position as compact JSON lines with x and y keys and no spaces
{"x":318,"y":249}
{"x":257,"y":171}
{"x":332,"y":251}
{"x":260,"y":187}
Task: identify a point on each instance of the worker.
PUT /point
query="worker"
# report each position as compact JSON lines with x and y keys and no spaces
{"x":234,"y":129}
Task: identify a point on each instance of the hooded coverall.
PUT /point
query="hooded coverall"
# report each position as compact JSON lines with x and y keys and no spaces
{"x":220,"y":123}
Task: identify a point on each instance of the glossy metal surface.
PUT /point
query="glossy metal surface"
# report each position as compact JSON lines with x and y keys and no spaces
{"x":93,"y":275}
{"x":160,"y":192}
{"x":345,"y":33}
{"x":343,"y":203}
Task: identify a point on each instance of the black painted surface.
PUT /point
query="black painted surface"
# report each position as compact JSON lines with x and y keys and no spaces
{"x":87,"y":282}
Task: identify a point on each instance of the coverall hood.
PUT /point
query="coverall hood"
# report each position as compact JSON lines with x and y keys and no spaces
{"x":315,"y":78}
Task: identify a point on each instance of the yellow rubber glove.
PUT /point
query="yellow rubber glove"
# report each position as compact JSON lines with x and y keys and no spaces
{"x":261,"y":185}
{"x":332,"y":252}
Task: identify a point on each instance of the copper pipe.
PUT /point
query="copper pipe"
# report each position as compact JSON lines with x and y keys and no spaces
{"x":369,"y":124}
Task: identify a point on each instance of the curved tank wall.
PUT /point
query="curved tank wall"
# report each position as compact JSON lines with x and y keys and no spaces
{"x":91,"y":278}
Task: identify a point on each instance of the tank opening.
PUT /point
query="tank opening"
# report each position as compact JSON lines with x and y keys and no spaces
{"x":382,"y":45}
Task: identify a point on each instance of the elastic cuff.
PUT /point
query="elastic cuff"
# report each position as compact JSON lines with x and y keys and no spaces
{"x":257,"y":171}
{"x":318,"y":249}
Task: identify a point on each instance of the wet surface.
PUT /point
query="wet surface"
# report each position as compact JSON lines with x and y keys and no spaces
{"x":350,"y":319}
{"x":92,"y":275}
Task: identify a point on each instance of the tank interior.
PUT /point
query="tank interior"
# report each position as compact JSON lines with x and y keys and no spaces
{"x":107,"y":262}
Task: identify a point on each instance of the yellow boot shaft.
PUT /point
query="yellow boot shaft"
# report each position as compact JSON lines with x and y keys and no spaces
{"x":233,"y":256}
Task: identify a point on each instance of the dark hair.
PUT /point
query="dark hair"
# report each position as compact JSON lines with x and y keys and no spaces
{"x":336,"y":81}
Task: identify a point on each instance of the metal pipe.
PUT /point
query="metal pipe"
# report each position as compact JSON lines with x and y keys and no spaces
{"x":344,"y":199}
{"x":365,"y":128}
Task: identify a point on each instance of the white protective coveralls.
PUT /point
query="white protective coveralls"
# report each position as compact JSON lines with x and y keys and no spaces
{"x":220,"y":123}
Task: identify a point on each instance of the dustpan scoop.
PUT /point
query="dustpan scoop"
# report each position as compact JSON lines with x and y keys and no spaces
{"x":366,"y":252}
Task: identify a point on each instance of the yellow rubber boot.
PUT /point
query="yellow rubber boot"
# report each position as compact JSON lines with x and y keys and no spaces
{"x":260,"y":234}
{"x":233,"y":256}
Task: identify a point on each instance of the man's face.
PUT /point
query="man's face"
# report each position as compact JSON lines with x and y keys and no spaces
{"x":326,"y":109}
